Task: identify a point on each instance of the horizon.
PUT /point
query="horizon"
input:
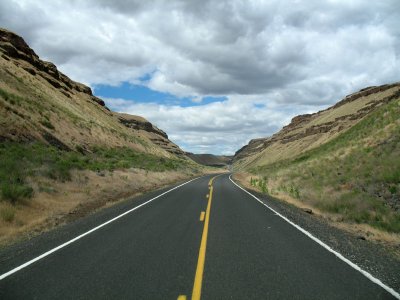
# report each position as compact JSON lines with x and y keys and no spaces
{"x":210,"y":81}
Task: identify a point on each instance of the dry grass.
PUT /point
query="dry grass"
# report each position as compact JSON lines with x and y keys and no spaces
{"x":7,"y":212}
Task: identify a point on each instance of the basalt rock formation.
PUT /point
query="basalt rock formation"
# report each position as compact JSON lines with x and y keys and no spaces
{"x":14,"y":46}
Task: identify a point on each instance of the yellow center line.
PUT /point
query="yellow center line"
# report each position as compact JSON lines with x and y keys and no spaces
{"x":198,"y":279}
{"x":202,"y":215}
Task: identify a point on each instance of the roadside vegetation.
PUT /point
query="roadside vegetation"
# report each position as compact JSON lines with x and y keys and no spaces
{"x":19,"y":162}
{"x":355,"y":176}
{"x":10,"y":97}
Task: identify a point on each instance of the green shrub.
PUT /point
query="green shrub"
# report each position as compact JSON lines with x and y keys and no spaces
{"x":13,"y":192}
{"x":47,"y":123}
{"x":10,"y":97}
{"x":294,"y":192}
{"x":260,"y":183}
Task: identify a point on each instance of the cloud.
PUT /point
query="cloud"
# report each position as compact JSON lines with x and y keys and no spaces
{"x":295,"y":54}
{"x":218,"y":127}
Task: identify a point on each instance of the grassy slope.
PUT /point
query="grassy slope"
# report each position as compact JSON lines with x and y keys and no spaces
{"x":30,"y":106}
{"x":98,"y":140}
{"x":356,"y":175}
{"x":19,"y":161}
{"x":280,"y":151}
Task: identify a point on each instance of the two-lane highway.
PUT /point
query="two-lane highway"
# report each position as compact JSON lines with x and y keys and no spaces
{"x":205,"y":239}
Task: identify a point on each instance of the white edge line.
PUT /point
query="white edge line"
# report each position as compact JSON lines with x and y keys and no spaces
{"x":86,"y":233}
{"x":337,"y":254}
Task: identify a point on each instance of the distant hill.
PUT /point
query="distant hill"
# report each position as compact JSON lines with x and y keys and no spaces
{"x":343,"y":161}
{"x":210,"y":159}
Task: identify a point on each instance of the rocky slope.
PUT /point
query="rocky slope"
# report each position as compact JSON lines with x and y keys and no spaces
{"x":309,"y":131}
{"x":38,"y":102}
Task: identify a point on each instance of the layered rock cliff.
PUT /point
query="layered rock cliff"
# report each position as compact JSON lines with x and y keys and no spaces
{"x":14,"y":47}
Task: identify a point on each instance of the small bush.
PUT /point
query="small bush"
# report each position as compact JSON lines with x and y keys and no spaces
{"x":393,"y":189}
{"x":13,"y":192}
{"x":47,"y":123}
{"x":294,"y":192}
{"x":80,"y":149}
{"x":10,"y":97}
{"x":260,"y":183}
{"x":7,"y":213}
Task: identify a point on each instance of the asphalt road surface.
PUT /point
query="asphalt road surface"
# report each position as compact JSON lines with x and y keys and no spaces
{"x":206,"y":239}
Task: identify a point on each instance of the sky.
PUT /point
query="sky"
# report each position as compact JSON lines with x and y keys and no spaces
{"x":215,"y":74}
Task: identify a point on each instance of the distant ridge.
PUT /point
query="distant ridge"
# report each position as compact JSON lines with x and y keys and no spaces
{"x":210,"y":159}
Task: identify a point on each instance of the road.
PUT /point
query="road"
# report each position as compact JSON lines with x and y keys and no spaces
{"x":206,"y":239}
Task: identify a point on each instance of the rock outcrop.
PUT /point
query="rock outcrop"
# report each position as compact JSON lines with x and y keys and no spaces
{"x":15,"y":48}
{"x":156,"y":135}
{"x":139,"y":123}
{"x":365,"y":92}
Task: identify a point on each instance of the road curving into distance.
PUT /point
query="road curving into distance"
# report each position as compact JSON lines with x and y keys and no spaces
{"x":204,"y":239}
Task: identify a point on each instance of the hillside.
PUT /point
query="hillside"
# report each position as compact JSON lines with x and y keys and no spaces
{"x":210,"y":159}
{"x":42,"y":104}
{"x":342,"y":163}
{"x":63,"y":152}
{"x":309,"y":131}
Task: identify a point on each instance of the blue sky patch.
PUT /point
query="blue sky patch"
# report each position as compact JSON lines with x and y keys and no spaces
{"x":142,"y":94}
{"x":259,"y":105}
